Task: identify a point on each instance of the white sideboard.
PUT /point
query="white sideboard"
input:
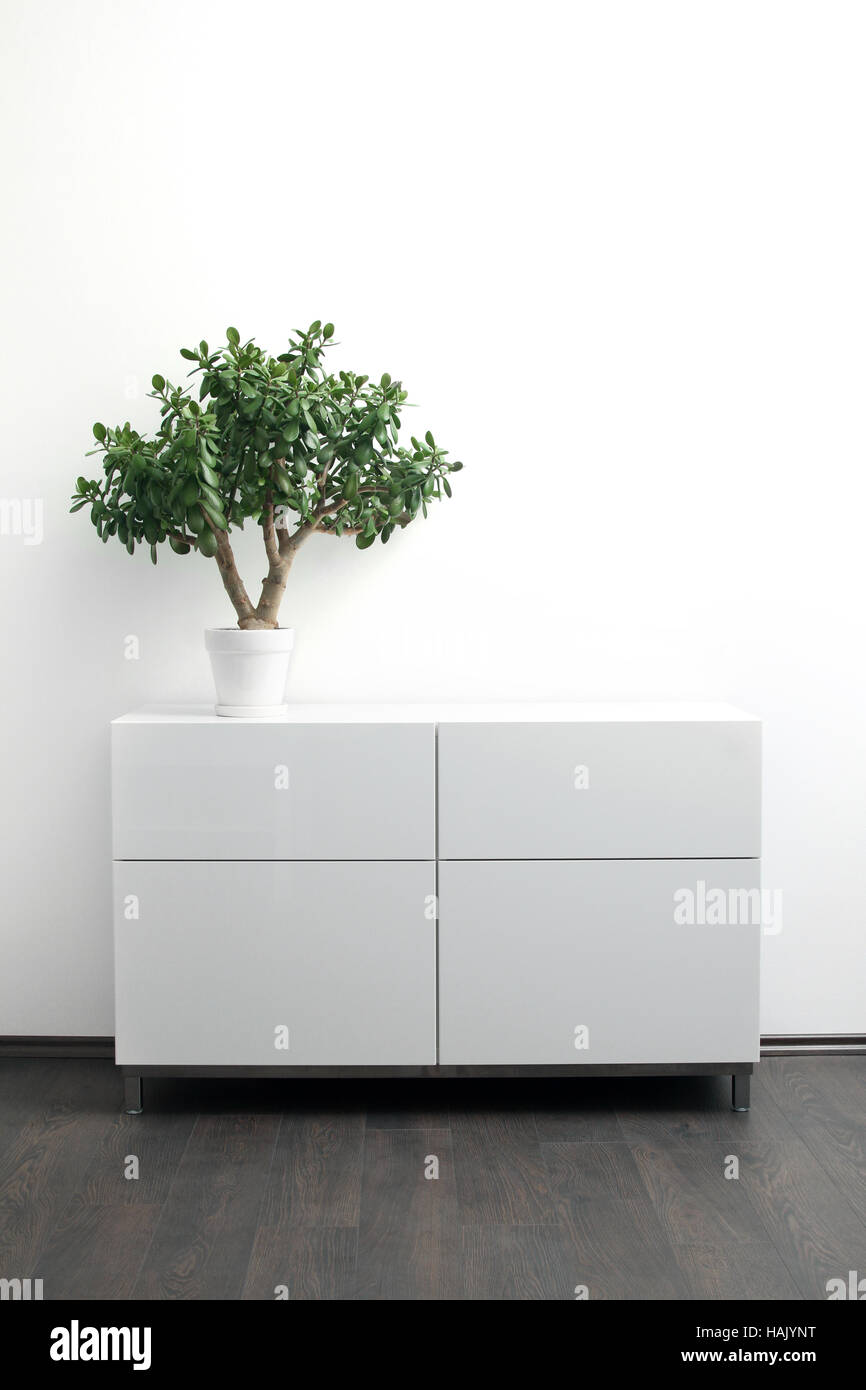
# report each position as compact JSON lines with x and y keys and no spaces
{"x":412,"y":889}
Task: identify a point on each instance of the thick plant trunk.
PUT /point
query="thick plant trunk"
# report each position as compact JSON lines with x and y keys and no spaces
{"x":280,"y":556}
{"x":281,"y":549}
{"x":273,"y":589}
{"x":233,"y":584}
{"x":255,"y":623}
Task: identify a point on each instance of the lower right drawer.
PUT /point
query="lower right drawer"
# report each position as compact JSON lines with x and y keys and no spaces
{"x":599,"y":961}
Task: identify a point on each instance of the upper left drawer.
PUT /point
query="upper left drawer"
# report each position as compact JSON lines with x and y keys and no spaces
{"x":278,"y":790}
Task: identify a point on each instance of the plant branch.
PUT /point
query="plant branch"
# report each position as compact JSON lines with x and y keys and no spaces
{"x":272,"y":549}
{"x":280,"y":559}
{"x":232,"y":582}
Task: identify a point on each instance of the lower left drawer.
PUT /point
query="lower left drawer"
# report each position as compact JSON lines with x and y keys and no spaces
{"x":274,"y":964}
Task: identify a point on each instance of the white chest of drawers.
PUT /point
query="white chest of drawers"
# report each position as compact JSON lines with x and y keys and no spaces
{"x":437,"y":890}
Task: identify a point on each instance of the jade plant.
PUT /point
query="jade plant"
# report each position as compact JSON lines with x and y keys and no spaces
{"x":279,"y":441}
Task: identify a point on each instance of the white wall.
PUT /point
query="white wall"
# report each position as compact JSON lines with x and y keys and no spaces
{"x":617,"y":253}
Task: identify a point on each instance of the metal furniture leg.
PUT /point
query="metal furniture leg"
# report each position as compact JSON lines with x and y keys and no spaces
{"x":740,"y":1092}
{"x":132,"y":1103}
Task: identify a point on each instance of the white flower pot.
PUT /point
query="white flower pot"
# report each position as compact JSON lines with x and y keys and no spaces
{"x":250,"y":669}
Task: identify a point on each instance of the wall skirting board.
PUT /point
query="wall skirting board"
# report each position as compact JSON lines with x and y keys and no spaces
{"x":773,"y":1045}
{"x":37,"y":1046}
{"x":813,"y":1044}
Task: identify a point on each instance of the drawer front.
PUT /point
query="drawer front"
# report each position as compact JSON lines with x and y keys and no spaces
{"x":273,"y":791}
{"x":236,"y":964}
{"x":530,"y":952}
{"x":596,"y":791}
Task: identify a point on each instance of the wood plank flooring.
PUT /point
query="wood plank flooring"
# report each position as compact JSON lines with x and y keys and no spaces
{"x":433,"y":1190}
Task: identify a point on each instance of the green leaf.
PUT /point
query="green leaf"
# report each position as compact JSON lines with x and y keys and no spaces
{"x":76,"y":506}
{"x":189,"y":354}
{"x":283,"y":482}
{"x":385,"y":382}
{"x":216,"y":517}
{"x":207,"y":543}
{"x":99,"y":431}
{"x":179,"y":547}
{"x":158,"y":382}
{"x":430,"y":440}
{"x":208,"y":495}
{"x":328,"y":330}
{"x":365,"y":541}
{"x":233,"y":336}
{"x":447,"y":487}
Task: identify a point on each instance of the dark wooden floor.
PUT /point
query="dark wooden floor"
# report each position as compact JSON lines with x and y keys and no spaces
{"x":543,"y":1186}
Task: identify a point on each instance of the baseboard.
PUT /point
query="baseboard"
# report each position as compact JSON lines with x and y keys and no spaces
{"x":56,"y":1047}
{"x":772,"y":1045}
{"x":813,"y":1044}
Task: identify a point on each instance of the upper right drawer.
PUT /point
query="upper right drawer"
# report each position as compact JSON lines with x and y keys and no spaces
{"x":614,"y":790}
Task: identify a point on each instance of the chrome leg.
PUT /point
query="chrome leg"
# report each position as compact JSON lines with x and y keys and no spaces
{"x":132,"y":1095}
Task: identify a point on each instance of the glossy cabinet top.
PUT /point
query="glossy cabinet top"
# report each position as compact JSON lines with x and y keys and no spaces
{"x":551,"y":712}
